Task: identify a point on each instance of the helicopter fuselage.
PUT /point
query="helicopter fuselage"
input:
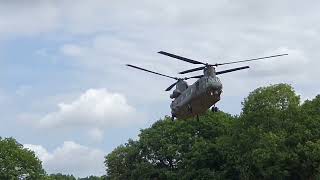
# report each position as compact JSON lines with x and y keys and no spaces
{"x":197,"y":98}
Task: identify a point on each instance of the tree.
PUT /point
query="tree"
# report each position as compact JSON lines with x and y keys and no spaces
{"x":172,"y":150}
{"x":275,"y":137}
{"x":60,"y":176}
{"x":17,"y":162}
{"x":92,"y":178}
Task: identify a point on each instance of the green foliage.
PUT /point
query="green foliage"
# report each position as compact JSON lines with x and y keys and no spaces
{"x":275,"y":137}
{"x":17,"y":162}
{"x":172,"y":150}
{"x":60,"y":176}
{"x":93,"y":178}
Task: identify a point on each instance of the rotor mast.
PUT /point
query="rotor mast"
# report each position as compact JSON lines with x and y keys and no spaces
{"x":209,"y":71}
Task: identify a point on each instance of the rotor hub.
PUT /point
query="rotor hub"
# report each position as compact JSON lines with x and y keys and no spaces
{"x":209,"y":71}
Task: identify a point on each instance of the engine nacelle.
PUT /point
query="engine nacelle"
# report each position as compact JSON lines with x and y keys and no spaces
{"x":176,"y":93}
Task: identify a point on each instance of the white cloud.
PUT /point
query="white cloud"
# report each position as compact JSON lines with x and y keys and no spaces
{"x":71,"y":158}
{"x":95,"y":110}
{"x":40,"y":151}
{"x":95,"y":107}
{"x":32,"y":17}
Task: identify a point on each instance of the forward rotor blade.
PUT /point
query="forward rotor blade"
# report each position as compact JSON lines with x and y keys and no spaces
{"x":192,"y":70}
{"x":171,"y":86}
{"x":218,"y":64}
{"x":231,"y":70}
{"x":180,"y":58}
{"x":151,"y":71}
{"x":195,"y":77}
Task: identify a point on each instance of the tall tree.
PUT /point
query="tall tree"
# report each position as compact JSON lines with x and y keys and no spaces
{"x":272,"y":138}
{"x":17,"y":162}
{"x":172,"y":150}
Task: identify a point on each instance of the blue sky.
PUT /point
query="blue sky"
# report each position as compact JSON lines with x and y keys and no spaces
{"x":64,"y":89}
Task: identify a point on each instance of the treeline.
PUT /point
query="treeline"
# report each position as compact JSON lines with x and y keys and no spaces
{"x":276,"y":136}
{"x":60,"y":176}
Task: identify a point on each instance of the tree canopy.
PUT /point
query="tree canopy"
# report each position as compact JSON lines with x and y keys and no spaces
{"x":60,"y":176}
{"x":17,"y":162}
{"x":275,"y":137}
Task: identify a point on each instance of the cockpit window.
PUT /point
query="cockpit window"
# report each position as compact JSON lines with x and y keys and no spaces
{"x":217,"y":79}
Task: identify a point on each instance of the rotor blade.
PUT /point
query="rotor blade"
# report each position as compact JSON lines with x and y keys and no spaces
{"x":195,"y":77}
{"x":231,"y":70}
{"x":180,"y":58}
{"x":192,"y":70}
{"x":171,"y":86}
{"x":266,"y":57}
{"x":151,"y":71}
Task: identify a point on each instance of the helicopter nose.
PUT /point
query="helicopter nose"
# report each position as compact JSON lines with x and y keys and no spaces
{"x":215,"y":84}
{"x":214,"y":87}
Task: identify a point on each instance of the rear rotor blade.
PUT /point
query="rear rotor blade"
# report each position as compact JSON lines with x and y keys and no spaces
{"x":151,"y":71}
{"x":218,"y":64}
{"x":180,"y":58}
{"x":171,"y":86}
{"x":192,"y":70}
{"x":231,"y":70}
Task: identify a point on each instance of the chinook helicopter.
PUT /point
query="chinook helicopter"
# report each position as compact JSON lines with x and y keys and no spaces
{"x":194,"y":100}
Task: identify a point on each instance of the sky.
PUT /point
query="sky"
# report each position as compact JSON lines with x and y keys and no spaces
{"x":66,"y":93}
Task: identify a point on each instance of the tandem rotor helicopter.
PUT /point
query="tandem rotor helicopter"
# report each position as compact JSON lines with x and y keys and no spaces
{"x":196,"y":99}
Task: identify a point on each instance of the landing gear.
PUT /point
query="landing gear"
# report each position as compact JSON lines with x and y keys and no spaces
{"x":189,"y":108}
{"x":172,"y":117}
{"x":214,"y":109}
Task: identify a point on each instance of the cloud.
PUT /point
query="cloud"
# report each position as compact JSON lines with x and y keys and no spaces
{"x":70,"y":158}
{"x":28,"y":18}
{"x":94,"y":110}
{"x":95,"y":107}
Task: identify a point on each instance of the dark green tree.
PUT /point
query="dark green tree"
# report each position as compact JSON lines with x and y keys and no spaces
{"x":92,"y":178}
{"x":172,"y":150}
{"x":17,"y":162}
{"x":60,"y":176}
{"x":275,"y":137}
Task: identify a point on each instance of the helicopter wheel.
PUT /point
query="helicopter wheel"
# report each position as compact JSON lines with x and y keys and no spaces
{"x":214,"y":109}
{"x":189,"y":108}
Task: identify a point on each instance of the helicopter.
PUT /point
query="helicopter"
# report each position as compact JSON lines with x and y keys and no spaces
{"x":195,"y":99}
